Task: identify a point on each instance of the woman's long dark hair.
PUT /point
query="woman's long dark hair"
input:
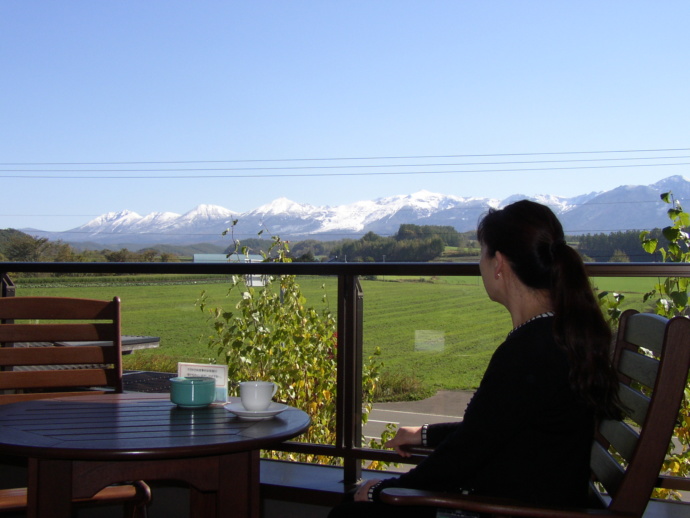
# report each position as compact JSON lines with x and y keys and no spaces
{"x":531,"y":238}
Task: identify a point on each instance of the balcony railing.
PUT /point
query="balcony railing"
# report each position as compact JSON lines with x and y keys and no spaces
{"x":350,"y":350}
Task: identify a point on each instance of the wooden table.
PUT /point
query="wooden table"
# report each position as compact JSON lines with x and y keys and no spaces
{"x":78,"y":445}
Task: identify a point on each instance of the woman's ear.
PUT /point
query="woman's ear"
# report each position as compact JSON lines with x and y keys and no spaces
{"x":499,"y":265}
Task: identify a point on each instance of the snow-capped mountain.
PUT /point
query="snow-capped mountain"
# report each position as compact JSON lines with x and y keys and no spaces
{"x":112,"y":222}
{"x":626,"y":207}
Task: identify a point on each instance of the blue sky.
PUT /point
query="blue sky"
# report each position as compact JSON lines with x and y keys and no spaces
{"x":218,"y":88}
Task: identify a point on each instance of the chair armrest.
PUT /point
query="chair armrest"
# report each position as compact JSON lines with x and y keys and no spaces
{"x":417,"y":450}
{"x":479,"y":504}
{"x":137,"y":493}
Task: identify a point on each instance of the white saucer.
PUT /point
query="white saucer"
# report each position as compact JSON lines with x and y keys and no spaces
{"x":255,"y":415}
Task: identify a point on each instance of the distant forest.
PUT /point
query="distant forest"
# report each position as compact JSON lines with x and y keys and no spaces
{"x":616,"y":246}
{"x":412,"y":243}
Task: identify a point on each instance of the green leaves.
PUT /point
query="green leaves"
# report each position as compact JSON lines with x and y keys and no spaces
{"x":649,"y":245}
{"x":671,"y":294}
{"x":682,"y":218}
{"x":273,"y":334}
{"x":610,"y":304}
{"x":679,"y":298}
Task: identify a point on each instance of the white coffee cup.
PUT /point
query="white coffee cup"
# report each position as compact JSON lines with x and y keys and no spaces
{"x":256,"y":395}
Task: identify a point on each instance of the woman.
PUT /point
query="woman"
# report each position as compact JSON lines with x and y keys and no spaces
{"x":527,"y":432}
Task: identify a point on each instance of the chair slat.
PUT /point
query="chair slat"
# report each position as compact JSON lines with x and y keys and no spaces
{"x":52,"y":379}
{"x":76,"y":355}
{"x":596,"y":499}
{"x":639,"y":367}
{"x":635,"y":403}
{"x":6,"y":399}
{"x":673,"y":482}
{"x":605,"y":468}
{"x":621,"y":436}
{"x":56,"y":333}
{"x":646,"y":330}
{"x":56,"y":308}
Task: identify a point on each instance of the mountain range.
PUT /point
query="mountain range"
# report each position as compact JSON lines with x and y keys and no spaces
{"x":628,"y":207}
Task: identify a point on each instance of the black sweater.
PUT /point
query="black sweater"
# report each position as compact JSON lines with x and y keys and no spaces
{"x":525,"y":435}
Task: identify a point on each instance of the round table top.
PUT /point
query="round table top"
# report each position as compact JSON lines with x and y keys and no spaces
{"x":141,"y":426}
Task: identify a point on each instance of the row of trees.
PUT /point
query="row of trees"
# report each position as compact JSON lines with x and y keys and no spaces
{"x":616,"y":246}
{"x":373,"y":247}
{"x":412,"y":243}
{"x":17,"y":246}
{"x":449,"y":236}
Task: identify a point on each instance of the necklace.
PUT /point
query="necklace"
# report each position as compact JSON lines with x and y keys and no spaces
{"x":541,"y":315}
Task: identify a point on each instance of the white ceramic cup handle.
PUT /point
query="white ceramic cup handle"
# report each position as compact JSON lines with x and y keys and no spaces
{"x":275,"y":389}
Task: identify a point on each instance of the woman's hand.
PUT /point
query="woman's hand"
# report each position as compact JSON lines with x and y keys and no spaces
{"x":407,"y":435}
{"x":362,"y":493}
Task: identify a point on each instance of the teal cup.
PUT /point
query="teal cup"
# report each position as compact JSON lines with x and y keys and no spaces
{"x":192,"y":391}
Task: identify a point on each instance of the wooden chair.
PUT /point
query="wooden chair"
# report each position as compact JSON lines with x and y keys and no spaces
{"x":651,"y":390}
{"x":33,"y":366}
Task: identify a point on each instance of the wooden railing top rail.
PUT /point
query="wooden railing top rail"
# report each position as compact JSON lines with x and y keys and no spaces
{"x":331,"y":268}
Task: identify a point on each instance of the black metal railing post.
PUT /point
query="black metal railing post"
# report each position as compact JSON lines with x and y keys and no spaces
{"x":349,"y":397}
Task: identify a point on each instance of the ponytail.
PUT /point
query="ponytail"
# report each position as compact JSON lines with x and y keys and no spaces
{"x":530,"y":236}
{"x":581,"y":330}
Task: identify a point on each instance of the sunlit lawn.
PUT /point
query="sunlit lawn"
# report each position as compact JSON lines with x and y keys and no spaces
{"x":442,"y":332}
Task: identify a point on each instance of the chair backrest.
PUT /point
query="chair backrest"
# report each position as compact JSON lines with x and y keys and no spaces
{"x":652,"y":357}
{"x":38,"y":356}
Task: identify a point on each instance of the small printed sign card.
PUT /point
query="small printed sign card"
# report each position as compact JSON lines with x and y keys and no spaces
{"x":217,"y":372}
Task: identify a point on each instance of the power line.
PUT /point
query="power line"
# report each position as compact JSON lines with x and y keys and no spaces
{"x":664,"y":150}
{"x":292,"y":168}
{"x":311,"y":175}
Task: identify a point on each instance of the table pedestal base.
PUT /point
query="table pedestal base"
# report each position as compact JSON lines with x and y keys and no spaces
{"x":223,"y":486}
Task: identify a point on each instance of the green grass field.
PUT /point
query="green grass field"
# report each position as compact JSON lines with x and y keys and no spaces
{"x":437,"y":333}
{"x":627,"y":285}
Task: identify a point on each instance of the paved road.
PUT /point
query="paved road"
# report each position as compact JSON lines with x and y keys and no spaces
{"x":446,"y":406}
